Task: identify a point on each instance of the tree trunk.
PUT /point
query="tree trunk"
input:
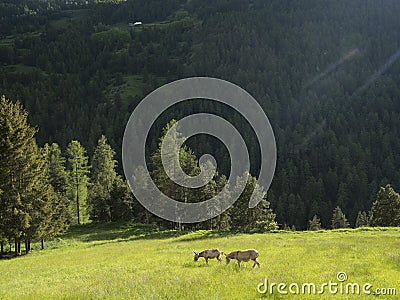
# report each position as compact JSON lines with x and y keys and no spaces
{"x":27,"y":246}
{"x":17,"y":246}
{"x":2,"y":249}
{"x":42,"y":244}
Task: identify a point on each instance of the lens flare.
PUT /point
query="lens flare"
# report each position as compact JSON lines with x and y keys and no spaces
{"x":378,"y":73}
{"x":333,"y":67}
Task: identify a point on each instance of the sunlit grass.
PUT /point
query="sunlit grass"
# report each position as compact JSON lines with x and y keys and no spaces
{"x":141,"y":262}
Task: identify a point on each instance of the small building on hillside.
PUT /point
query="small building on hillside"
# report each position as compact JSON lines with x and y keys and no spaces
{"x":137,"y":23}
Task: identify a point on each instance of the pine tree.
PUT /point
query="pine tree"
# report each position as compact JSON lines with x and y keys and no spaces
{"x":57,"y":216}
{"x":78,"y":179}
{"x":56,"y":171}
{"x":206,"y":192}
{"x":187,"y":162}
{"x":140,"y":213}
{"x":17,"y":151}
{"x":385,"y":210}
{"x":122,"y":204}
{"x":260,"y":218}
{"x":26,"y":201}
{"x":103,"y":175}
{"x":49,"y":217}
{"x":315,"y":223}
{"x":339,"y":219}
{"x":362,"y":219}
{"x":222,"y":221}
{"x":58,"y":178}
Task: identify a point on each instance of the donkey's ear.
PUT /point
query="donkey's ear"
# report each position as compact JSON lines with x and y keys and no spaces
{"x":194,"y":252}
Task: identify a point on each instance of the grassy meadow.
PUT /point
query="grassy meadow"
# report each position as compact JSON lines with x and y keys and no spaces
{"x":128,"y":261}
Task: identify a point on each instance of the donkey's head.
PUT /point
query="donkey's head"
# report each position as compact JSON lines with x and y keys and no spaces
{"x":228,"y":257}
{"x":196,"y":256}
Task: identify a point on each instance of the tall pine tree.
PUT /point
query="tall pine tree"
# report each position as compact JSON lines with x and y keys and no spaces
{"x":26,"y":204}
{"x":103,"y":176}
{"x":56,"y":167}
{"x":187,"y":161}
{"x":78,"y":179}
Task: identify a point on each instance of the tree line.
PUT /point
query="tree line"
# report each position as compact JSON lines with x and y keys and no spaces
{"x":42,"y":191}
{"x":385,"y":211}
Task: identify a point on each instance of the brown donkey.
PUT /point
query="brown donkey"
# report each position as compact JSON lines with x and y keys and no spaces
{"x":243,"y":255}
{"x":209,"y":253}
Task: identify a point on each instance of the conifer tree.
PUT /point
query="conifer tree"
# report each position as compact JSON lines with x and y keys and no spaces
{"x":57,"y":217}
{"x":386,"y":209}
{"x":222,"y":221}
{"x":103,"y":176}
{"x":315,"y":223}
{"x":56,"y":171}
{"x":187,"y":161}
{"x":362,"y":219}
{"x":78,"y":179}
{"x":140,"y":213}
{"x":122,"y":201}
{"x":339,"y":219}
{"x":26,"y":201}
{"x":260,"y":218}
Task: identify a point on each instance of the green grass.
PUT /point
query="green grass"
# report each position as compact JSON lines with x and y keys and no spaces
{"x":71,"y":15}
{"x":141,"y":262}
{"x":133,"y":86}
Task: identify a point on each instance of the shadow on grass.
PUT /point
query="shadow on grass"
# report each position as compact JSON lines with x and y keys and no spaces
{"x":12,"y":255}
{"x":105,"y":233}
{"x":117,"y":231}
{"x":204,"y":234}
{"x":123,"y":232}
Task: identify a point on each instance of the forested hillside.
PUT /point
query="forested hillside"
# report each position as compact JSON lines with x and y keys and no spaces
{"x":325,"y":72}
